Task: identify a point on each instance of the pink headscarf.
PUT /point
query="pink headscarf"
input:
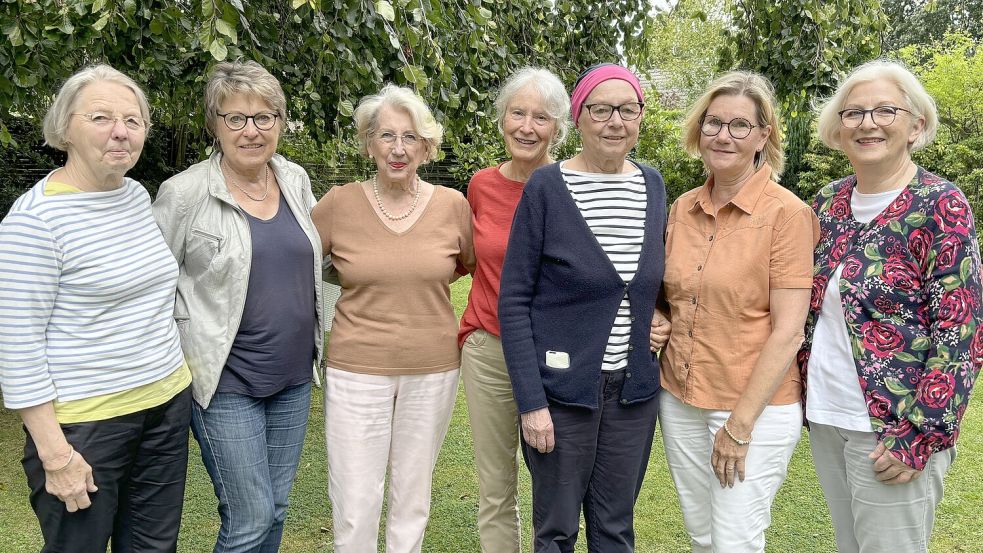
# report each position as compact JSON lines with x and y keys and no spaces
{"x":594,"y":76}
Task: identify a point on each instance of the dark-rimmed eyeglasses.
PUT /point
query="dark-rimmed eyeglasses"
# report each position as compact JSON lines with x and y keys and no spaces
{"x":389,"y":138}
{"x":738,"y":127}
{"x":882,"y":116}
{"x":236,"y":121}
{"x":106,"y":120}
{"x":601,"y":113}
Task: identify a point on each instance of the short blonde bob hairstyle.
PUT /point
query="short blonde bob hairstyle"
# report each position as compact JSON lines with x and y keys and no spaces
{"x":556,"y":102}
{"x":55,"y":126}
{"x":229,"y":79}
{"x":760,"y":91}
{"x":401,"y":98}
{"x":917,"y":99}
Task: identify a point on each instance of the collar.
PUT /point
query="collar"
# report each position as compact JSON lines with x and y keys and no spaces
{"x":746,"y":198}
{"x":216,"y":180}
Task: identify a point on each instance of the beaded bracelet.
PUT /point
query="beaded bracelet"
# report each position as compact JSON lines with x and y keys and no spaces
{"x":65,"y":466}
{"x":735,"y":438}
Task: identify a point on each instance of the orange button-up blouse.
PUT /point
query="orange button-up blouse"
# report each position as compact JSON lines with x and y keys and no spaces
{"x":720,"y":269}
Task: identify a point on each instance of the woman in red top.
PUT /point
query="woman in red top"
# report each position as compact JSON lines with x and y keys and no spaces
{"x":533,"y":115}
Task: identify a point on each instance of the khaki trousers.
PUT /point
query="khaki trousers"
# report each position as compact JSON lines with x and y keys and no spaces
{"x":868,"y":516}
{"x":495,"y":428}
{"x":372,"y":423}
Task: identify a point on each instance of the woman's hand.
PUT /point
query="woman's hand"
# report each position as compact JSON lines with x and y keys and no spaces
{"x":537,"y":429}
{"x":69,"y":478}
{"x":727,"y":458}
{"x":659,"y":334}
{"x":888,"y":469}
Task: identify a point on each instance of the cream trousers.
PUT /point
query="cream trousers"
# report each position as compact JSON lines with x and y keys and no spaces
{"x":377,"y":422}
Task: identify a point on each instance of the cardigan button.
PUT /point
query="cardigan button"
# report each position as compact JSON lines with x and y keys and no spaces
{"x":627,"y":375}
{"x":630,"y":347}
{"x":624,"y":402}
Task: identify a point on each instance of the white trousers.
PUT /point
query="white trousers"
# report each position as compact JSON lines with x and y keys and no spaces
{"x":377,"y":422}
{"x":868,"y":516}
{"x":727,"y":520}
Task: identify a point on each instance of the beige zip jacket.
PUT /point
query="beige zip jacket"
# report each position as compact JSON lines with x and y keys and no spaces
{"x":209,"y":235}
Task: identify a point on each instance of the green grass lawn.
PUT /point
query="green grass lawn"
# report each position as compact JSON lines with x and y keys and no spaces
{"x":800,"y":521}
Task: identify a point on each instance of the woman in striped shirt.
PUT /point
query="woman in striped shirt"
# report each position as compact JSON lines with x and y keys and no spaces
{"x":89,"y":350}
{"x":582,"y":272}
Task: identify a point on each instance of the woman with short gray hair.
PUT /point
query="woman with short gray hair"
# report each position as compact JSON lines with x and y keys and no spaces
{"x":248,"y":303}
{"x":893,"y":340}
{"x":533,"y":113}
{"x":89,"y":353}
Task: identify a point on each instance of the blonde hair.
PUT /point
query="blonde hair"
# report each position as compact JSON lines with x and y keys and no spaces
{"x":556,"y":102}
{"x":401,"y":98}
{"x":918,"y":99}
{"x":56,"y":120}
{"x":242,"y":77}
{"x":759,"y":90}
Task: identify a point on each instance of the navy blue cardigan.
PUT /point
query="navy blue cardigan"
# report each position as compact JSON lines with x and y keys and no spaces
{"x":560,"y":292}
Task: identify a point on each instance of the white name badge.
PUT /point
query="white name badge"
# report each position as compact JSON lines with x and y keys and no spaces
{"x":557,"y":359}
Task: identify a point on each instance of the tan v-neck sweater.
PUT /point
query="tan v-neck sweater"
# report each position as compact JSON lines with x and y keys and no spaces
{"x":394,"y":316}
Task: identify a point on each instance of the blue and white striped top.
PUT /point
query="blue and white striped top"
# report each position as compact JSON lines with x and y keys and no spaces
{"x":86,"y":296}
{"x":613,"y":205}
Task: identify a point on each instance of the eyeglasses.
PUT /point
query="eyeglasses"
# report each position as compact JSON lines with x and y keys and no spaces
{"x":738,"y":127}
{"x":409,"y":139}
{"x":106,"y":120}
{"x":882,"y":116}
{"x":540,"y":119}
{"x":601,"y":113}
{"x":236,"y":121}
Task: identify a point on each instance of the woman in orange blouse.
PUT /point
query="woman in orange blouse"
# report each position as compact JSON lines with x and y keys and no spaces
{"x":737,"y":281}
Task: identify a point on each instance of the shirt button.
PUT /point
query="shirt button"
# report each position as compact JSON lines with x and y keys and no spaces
{"x":686,"y":366}
{"x":690,"y":333}
{"x":693,"y":300}
{"x":699,"y":267}
{"x":711,"y":238}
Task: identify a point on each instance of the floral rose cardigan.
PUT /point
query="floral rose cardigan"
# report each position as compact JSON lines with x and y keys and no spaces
{"x":913,"y":305}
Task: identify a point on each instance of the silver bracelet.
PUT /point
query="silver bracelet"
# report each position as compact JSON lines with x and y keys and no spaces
{"x":65,"y":466}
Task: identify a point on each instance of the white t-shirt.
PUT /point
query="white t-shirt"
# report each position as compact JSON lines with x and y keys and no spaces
{"x":833,"y":387}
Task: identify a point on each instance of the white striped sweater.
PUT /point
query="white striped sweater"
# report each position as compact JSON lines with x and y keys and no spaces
{"x":614,"y":208}
{"x":86,"y":296}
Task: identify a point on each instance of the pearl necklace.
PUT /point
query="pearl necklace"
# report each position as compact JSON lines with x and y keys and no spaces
{"x":266,"y":178}
{"x":382,"y":208}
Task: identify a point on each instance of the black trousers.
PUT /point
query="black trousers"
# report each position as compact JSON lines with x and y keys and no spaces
{"x":597,"y":466}
{"x":139,"y":463}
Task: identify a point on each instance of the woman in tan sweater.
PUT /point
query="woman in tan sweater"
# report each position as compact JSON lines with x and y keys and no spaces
{"x":392,"y":367}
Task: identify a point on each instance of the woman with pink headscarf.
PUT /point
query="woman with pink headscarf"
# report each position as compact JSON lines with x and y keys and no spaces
{"x":581,"y":276}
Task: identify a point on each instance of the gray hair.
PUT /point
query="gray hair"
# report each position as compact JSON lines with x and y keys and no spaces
{"x":242,"y":77}
{"x":55,"y":126}
{"x":915,"y":96}
{"x":556,"y":101}
{"x":401,"y":98}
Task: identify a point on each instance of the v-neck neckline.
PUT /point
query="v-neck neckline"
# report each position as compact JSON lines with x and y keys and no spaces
{"x":586,"y":226}
{"x":382,"y":221}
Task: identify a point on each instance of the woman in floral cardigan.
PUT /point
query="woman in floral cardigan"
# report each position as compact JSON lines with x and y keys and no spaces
{"x":893,"y":339}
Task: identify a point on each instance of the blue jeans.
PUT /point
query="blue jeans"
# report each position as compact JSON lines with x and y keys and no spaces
{"x":251,"y":448}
